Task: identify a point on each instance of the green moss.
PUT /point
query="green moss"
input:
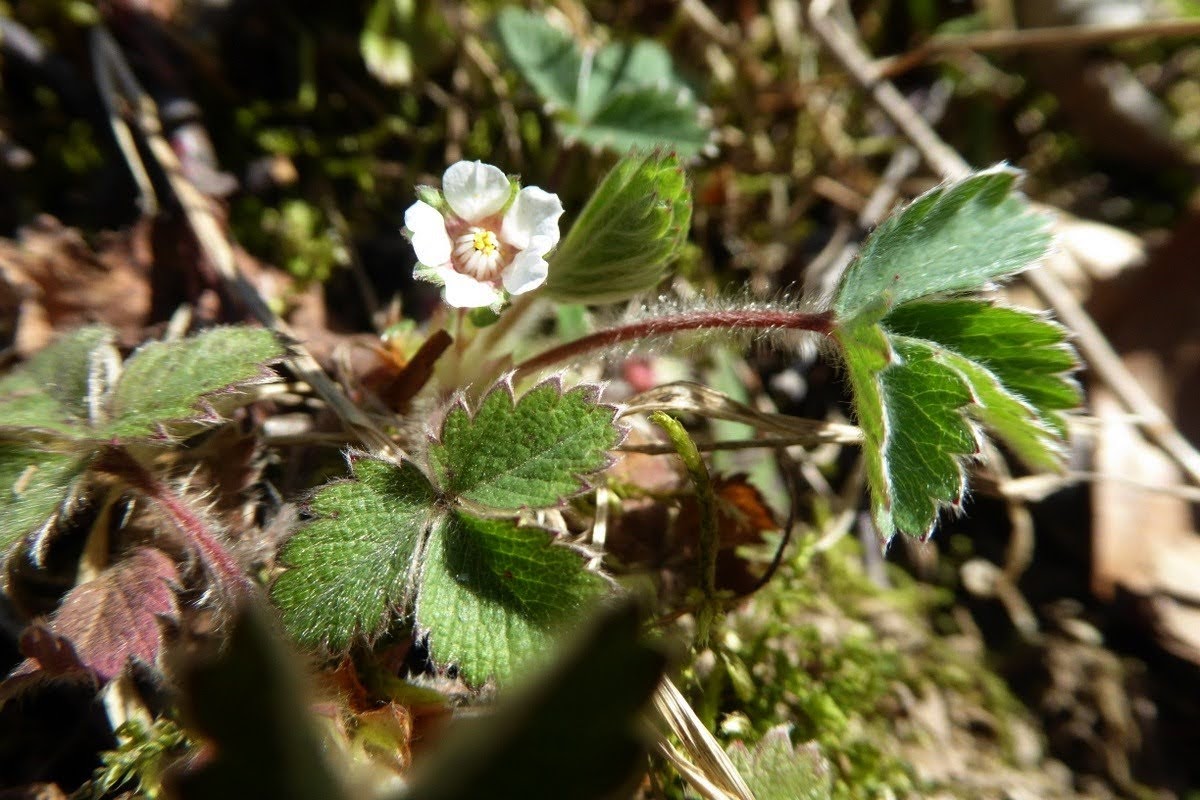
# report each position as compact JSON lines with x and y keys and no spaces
{"x":818,"y":649}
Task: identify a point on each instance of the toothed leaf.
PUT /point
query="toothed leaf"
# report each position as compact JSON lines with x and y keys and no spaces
{"x":777,"y":770}
{"x":528,"y":453}
{"x":955,"y":238}
{"x":351,"y":571}
{"x":168,"y":383}
{"x":620,"y":96}
{"x":112,"y":619}
{"x":930,"y":375}
{"x":1015,"y":362}
{"x":51,"y":392}
{"x":493,"y":596}
{"x":33,"y":484}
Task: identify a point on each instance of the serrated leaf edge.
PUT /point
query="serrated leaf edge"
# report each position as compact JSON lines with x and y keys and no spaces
{"x":589,"y":391}
{"x":977,"y":429}
{"x":589,"y":557}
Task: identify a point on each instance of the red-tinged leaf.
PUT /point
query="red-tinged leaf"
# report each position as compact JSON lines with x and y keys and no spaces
{"x":51,"y":652}
{"x":111,"y":619}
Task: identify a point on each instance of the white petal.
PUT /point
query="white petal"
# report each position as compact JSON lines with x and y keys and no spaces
{"x":526,"y":272}
{"x":534,"y":213}
{"x":475,"y":190}
{"x":428,"y":233}
{"x":463,"y":291}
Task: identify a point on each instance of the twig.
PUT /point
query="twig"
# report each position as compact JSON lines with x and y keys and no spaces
{"x":215,"y":244}
{"x":1100,"y":356}
{"x":1059,"y":38}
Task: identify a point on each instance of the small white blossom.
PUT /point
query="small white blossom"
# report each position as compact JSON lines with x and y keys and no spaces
{"x":482,"y":246}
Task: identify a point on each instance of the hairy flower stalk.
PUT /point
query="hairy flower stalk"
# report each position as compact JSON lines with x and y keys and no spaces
{"x":709,"y":319}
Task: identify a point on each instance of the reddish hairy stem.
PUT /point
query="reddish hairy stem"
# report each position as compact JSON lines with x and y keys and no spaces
{"x":733,"y":319}
{"x":116,"y":460}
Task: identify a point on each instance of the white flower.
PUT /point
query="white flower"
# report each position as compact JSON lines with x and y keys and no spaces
{"x":482,"y":246}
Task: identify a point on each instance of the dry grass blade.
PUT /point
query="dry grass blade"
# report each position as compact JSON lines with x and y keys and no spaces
{"x":707,"y":768}
{"x":212,"y":239}
{"x":685,"y":396}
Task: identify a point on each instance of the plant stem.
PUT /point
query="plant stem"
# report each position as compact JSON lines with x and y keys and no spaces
{"x":118,"y":461}
{"x":731,"y":319}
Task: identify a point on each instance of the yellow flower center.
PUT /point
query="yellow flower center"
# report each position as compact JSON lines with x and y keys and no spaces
{"x":478,"y":253}
{"x":486,"y":242}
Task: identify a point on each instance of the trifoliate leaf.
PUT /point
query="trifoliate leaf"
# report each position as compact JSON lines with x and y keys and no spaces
{"x":352,"y":570}
{"x":955,"y":238}
{"x":630,"y":231}
{"x":33,"y":484}
{"x":492,"y":596}
{"x":55,"y":390}
{"x":775,"y":770}
{"x":166,"y":383}
{"x":618,"y":96}
{"x":929,"y":376}
{"x":531,"y":452}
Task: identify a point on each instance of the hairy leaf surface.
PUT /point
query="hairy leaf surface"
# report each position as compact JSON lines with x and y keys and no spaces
{"x":955,"y":238}
{"x":352,"y":570}
{"x":493,"y":595}
{"x":33,"y":484}
{"x":531,"y":452}
{"x":929,"y":376}
{"x":115,"y":617}
{"x":166,"y":383}
{"x":53,"y":391}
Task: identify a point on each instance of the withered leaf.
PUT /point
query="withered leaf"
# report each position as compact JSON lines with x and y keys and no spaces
{"x":108,"y":620}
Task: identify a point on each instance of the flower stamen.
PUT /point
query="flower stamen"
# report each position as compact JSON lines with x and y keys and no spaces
{"x":477,"y":253}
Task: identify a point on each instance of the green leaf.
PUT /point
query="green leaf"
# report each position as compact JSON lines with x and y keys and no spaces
{"x":352,"y":570}
{"x":775,"y":770}
{"x":576,"y":731}
{"x":51,"y":392}
{"x":33,"y":484}
{"x":528,"y":453}
{"x":1015,"y":362}
{"x":644,"y":117}
{"x":545,"y":55}
{"x":492,"y":596}
{"x":168,"y":383}
{"x":929,"y":375}
{"x":955,"y":238}
{"x":619,"y":96}
{"x":630,"y":231}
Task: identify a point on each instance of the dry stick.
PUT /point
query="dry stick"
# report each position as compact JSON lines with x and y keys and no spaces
{"x":1100,"y":356}
{"x":1058,"y":37}
{"x":214,"y":242}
